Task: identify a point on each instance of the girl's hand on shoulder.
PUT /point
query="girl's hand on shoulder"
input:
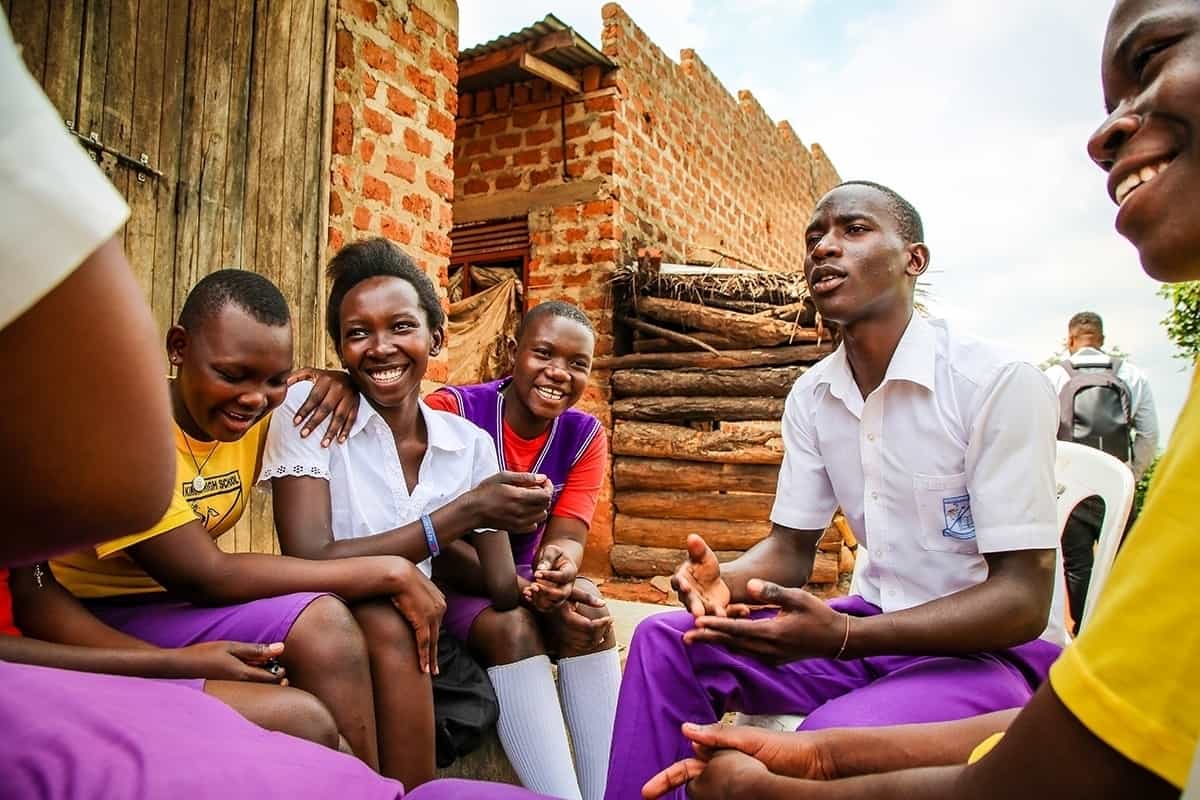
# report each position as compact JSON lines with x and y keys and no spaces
{"x":231,"y":661}
{"x":422,"y":605}
{"x":333,"y":396}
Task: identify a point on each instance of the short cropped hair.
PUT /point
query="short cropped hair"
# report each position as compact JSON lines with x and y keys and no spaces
{"x":905,"y":214}
{"x":374,"y":258}
{"x":247,"y":290}
{"x":1086,"y":319}
{"x":555,"y":308}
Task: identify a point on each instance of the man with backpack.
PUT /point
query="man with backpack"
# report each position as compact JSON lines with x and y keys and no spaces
{"x":1106,"y":403}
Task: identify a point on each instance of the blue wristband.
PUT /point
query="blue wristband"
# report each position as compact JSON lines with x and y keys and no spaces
{"x":430,"y":536}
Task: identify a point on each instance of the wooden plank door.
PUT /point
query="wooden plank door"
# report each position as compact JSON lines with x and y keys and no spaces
{"x":225,"y":98}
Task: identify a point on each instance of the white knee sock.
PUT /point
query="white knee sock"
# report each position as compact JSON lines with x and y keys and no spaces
{"x":531,"y":727}
{"x":588,"y":686}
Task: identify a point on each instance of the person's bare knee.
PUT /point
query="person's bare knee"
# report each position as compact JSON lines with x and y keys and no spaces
{"x":277,"y":708}
{"x":325,"y":634}
{"x":389,"y":637}
{"x":326,"y":653}
{"x":505,"y":637}
{"x":403,"y":694}
{"x":308,"y":718}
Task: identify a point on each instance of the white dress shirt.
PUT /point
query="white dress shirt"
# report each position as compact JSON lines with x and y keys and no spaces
{"x":1141,"y":401}
{"x":367,"y":490}
{"x":951,"y":457}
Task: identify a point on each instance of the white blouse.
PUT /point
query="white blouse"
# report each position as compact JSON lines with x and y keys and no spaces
{"x":367,"y":490}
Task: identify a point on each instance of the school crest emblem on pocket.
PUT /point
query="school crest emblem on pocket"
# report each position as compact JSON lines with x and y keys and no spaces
{"x":959,"y":523}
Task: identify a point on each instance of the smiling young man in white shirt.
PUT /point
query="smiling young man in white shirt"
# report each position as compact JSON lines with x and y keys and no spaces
{"x":940,"y":451}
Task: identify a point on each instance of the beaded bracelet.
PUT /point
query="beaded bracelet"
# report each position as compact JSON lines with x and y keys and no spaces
{"x":431,"y":536}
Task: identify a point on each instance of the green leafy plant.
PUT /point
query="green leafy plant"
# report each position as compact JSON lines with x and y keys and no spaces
{"x":1143,"y":486}
{"x":1183,"y":320}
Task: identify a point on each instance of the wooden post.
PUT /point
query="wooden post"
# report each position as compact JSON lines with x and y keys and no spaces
{"x":658,"y":532}
{"x":725,"y":359}
{"x":690,"y":342}
{"x":697,"y":505}
{"x":756,"y":382}
{"x":678,"y":409}
{"x":670,"y":441}
{"x":742,"y":327}
{"x":631,"y":473}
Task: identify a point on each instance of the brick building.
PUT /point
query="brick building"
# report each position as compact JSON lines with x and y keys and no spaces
{"x":395,"y":96}
{"x":259,"y":135}
{"x":568,"y":158}
{"x":268,"y":136}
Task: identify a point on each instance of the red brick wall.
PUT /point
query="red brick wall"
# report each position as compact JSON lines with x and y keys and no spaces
{"x":516,"y":145}
{"x":698,"y":166}
{"x":512,"y":141}
{"x":674,"y":159}
{"x":520,"y":145}
{"x":394,"y":103}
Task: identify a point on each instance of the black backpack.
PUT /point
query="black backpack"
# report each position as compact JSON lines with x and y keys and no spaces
{"x":1095,"y":408}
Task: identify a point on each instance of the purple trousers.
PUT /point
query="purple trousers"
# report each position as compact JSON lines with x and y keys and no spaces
{"x":667,"y":683}
{"x":76,"y":735}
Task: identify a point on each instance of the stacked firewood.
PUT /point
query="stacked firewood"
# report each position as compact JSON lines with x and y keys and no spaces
{"x":697,"y":405}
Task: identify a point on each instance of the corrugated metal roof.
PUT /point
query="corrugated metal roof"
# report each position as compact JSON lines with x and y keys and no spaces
{"x":579,"y":54}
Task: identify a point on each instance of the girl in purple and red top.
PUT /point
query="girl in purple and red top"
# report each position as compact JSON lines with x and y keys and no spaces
{"x":530,"y":418}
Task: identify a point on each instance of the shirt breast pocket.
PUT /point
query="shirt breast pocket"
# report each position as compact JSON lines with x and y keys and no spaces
{"x":944,"y":509}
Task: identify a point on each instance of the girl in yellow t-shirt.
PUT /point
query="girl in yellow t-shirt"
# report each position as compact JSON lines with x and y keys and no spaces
{"x":172,"y":586}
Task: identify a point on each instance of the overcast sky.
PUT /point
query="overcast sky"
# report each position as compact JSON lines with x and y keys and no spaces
{"x":977,"y":112}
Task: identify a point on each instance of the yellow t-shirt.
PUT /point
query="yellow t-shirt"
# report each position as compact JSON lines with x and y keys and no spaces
{"x":229,"y":470}
{"x":985,"y":747}
{"x":1131,"y":675}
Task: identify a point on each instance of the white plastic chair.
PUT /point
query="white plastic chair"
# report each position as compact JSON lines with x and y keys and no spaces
{"x":1192,"y":790}
{"x":1080,"y":472}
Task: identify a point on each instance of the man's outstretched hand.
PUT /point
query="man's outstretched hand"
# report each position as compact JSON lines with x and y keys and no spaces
{"x":805,"y":627}
{"x":699,"y":584}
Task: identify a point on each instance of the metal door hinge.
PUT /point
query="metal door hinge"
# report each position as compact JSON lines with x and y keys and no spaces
{"x":96,"y":148}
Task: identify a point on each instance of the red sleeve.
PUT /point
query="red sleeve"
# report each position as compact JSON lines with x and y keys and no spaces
{"x":7,"y":628}
{"x":582,"y":490}
{"x":441,"y":400}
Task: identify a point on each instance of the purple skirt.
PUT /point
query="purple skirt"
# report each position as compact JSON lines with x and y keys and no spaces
{"x":170,"y":622}
{"x":462,"y":609}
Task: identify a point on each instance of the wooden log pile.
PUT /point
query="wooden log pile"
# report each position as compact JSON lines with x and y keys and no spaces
{"x":697,"y":404}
